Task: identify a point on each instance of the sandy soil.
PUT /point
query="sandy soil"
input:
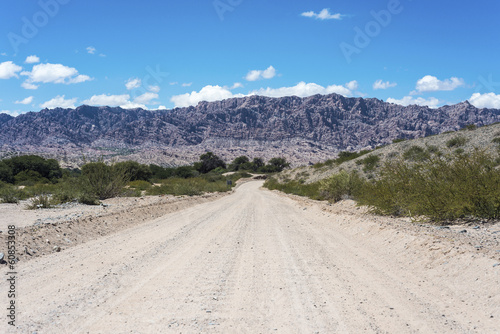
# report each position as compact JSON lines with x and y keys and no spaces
{"x":260,"y":262}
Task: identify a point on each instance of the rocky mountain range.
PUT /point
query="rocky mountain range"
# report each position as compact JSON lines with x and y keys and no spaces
{"x":302,"y":129}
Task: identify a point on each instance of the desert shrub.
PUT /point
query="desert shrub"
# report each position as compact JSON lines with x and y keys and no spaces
{"x":134,"y":170}
{"x":456,"y":141}
{"x":29,"y":178}
{"x":328,"y":162}
{"x":370,"y":162}
{"x":102,"y":181}
{"x":39,"y":202}
{"x":310,"y":190}
{"x":347,"y":156}
{"x":416,"y":153}
{"x":11,"y":194}
{"x":191,"y":187}
{"x":444,"y":188}
{"x":398,"y":140}
{"x":340,"y":186}
{"x":433,"y":149}
{"x":140,"y":185}
{"x":459,"y":151}
{"x":496,"y":140}
{"x":470,"y":127}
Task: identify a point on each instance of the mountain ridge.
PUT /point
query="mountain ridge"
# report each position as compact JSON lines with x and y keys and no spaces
{"x":303,"y":129}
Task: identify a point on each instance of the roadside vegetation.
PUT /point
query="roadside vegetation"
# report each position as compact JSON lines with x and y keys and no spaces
{"x":46,"y":184}
{"x":422,"y":183}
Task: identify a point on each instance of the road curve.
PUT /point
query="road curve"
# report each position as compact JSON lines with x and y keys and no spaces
{"x":251,"y":262}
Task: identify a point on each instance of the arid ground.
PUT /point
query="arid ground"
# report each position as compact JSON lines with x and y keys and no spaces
{"x":252,"y":261}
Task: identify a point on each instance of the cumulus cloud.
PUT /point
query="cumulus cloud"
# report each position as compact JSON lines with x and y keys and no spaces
{"x":11,"y":113}
{"x":133,"y":83}
{"x":27,"y":85}
{"x":215,"y":93}
{"x":91,"y":50}
{"x":32,"y":59}
{"x":154,"y":89}
{"x":487,"y":100}
{"x":430,"y":83}
{"x":208,"y":93}
{"x":379,"y":84}
{"x":323,"y":15}
{"x":236,"y":85}
{"x":431,"y":102}
{"x":145,"y":98}
{"x":59,"y":102}
{"x":9,"y":70}
{"x":53,"y":73}
{"x":27,"y":100}
{"x":122,"y":101}
{"x":108,"y":100}
{"x":303,"y":89}
{"x":255,"y":75}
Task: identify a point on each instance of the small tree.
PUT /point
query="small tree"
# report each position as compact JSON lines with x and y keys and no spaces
{"x":257,"y":164}
{"x":208,"y":162}
{"x":102,"y":181}
{"x":241,"y":162}
{"x":275,"y":165}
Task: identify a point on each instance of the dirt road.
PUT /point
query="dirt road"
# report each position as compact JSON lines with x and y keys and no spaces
{"x":257,"y":262}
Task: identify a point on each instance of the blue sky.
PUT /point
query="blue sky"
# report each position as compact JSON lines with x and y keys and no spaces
{"x":159,"y":54}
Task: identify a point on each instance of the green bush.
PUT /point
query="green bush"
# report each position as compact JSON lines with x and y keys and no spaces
{"x":340,"y":186}
{"x":416,"y":153}
{"x":446,"y":188}
{"x":370,"y":162}
{"x":140,"y":185}
{"x":398,"y":140}
{"x":102,"y":181}
{"x":456,"y":141}
{"x":11,"y":194}
{"x":191,"y":187}
{"x":39,"y":202}
{"x":310,"y":190}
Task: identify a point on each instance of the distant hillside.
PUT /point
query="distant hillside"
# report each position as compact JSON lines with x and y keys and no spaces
{"x":485,"y":138}
{"x":302,"y":129}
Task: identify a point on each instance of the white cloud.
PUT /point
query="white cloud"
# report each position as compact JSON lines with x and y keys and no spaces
{"x":154,"y":89}
{"x":3,"y":54}
{"x":431,"y":102}
{"x":215,"y":93}
{"x":59,"y":102}
{"x":323,"y":15}
{"x":173,"y":83}
{"x":379,"y":84}
{"x":53,"y":73}
{"x":303,"y":89}
{"x":11,"y":113}
{"x":145,"y":98}
{"x":27,"y":85}
{"x":430,"y":83}
{"x":91,"y":50}
{"x":208,"y":93}
{"x":161,"y":108}
{"x":133,"y":83}
{"x":255,"y":75}
{"x":27,"y":100}
{"x":122,"y":101}
{"x":32,"y":59}
{"x":187,"y":84}
{"x":236,"y":85}
{"x":8,"y":70}
{"x":108,"y":100}
{"x":487,"y":100}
